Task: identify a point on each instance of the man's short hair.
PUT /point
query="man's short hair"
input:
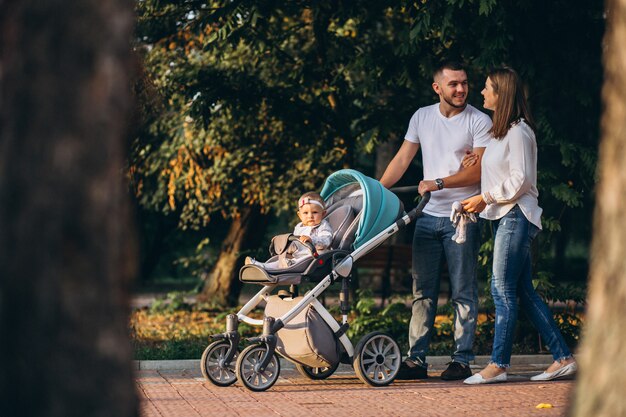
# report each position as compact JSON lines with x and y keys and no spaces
{"x":449,"y":64}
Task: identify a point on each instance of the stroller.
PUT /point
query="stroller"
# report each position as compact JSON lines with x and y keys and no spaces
{"x":363,"y":214}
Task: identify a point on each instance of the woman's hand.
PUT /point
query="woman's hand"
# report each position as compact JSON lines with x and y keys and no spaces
{"x":474,"y":204}
{"x":469,"y":159}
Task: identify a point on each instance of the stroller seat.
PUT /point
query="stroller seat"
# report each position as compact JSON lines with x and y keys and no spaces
{"x":343,"y":221}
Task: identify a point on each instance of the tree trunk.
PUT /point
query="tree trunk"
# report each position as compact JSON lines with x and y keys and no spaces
{"x":602,"y":377}
{"x":245,"y":232}
{"x":67,"y":247}
{"x":385,"y":152}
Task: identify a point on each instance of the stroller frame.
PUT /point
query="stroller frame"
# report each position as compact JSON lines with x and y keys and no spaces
{"x":376,"y":358}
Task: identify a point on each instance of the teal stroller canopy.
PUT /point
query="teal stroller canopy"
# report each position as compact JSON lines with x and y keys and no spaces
{"x":381,"y":207}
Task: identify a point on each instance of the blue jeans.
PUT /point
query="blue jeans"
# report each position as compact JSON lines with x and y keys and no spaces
{"x":432,"y":244}
{"x":512,"y":278}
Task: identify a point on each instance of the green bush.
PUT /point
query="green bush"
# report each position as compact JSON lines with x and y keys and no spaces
{"x":190,"y":348}
{"x":393,"y":319}
{"x":173,"y":329}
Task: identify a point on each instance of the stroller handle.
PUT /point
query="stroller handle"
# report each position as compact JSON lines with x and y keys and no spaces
{"x":423,"y":201}
{"x":400,"y":190}
{"x":417,"y":211}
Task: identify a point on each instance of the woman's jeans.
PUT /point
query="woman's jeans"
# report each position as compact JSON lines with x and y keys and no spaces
{"x":432,"y":243}
{"x":512,"y":278}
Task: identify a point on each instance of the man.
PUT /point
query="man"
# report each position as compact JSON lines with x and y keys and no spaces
{"x":446,"y":131}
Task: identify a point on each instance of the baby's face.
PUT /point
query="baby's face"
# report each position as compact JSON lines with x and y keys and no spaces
{"x":311,"y":214}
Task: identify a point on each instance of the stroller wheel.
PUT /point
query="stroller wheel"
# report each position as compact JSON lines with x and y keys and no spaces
{"x":247,"y":368}
{"x":316,"y":373}
{"x":212,"y":364}
{"x":377,"y":359}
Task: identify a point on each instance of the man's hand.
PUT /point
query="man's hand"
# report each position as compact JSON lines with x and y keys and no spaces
{"x":427,"y":185}
{"x":474,"y":204}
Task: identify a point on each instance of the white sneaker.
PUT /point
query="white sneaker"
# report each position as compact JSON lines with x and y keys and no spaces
{"x":568,"y":369}
{"x":478,"y":379}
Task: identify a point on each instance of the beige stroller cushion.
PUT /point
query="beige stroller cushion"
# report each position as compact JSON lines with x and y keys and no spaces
{"x":306,"y":339}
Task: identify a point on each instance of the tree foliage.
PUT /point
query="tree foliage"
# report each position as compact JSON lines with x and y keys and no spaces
{"x":262,"y":100}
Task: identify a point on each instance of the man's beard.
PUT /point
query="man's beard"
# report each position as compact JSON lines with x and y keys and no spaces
{"x":456,"y":106}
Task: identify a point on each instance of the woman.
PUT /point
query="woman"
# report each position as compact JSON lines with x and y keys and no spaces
{"x":509,"y":199}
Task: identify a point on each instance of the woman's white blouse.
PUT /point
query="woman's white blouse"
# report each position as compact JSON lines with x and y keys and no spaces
{"x":509,"y":175}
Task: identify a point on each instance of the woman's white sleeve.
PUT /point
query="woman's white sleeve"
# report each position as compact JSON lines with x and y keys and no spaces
{"x":522,"y":163}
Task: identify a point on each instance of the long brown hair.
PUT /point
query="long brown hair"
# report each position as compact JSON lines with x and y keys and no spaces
{"x":511,"y":105}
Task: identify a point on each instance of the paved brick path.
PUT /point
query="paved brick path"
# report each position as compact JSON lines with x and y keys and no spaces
{"x":182,"y":393}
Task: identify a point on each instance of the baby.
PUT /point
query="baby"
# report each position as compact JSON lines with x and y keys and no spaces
{"x":312,"y":228}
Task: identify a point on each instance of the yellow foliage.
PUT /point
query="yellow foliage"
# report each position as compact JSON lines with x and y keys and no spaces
{"x":189,"y":183}
{"x":332,"y":101}
{"x":195,"y":180}
{"x":171,"y":191}
{"x":177,"y":325}
{"x":188,"y":133}
{"x":446,"y":319}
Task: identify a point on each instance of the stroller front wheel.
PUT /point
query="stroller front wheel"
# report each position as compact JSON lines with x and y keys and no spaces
{"x":377,"y":359}
{"x":316,"y":373}
{"x":213,"y":367}
{"x":248,"y":372}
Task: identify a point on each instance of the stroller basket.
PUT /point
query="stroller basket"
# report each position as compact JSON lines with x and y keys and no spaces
{"x":306,"y":339}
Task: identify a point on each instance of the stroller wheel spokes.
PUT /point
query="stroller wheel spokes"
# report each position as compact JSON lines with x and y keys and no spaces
{"x":377,"y":359}
{"x":248,"y":372}
{"x":316,"y":373}
{"x":213,"y":367}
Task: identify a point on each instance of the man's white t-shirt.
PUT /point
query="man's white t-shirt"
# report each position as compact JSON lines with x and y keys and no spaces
{"x":443,"y":142}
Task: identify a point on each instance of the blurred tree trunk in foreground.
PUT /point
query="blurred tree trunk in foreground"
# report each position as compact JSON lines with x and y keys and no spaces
{"x":601,"y":381}
{"x":67,"y":248}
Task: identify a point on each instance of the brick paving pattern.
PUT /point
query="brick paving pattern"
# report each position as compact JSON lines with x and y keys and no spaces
{"x":182,"y":393}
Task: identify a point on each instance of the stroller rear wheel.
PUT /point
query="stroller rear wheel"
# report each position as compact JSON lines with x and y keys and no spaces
{"x":316,"y":373}
{"x":377,"y":359}
{"x":213,"y":367}
{"x":248,"y":373}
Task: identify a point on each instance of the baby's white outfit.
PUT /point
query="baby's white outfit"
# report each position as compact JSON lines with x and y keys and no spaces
{"x":321,"y":236}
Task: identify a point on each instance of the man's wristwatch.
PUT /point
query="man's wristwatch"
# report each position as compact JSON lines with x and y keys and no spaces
{"x":439,"y":183}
